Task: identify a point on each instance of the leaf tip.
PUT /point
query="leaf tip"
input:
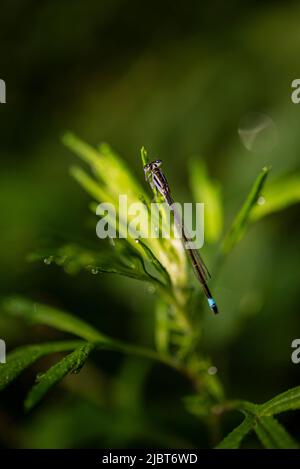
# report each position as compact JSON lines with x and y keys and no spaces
{"x":144,"y":156}
{"x":68,"y":138}
{"x":266,"y":169}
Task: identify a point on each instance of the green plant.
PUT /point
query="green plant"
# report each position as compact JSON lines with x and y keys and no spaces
{"x":163,"y":264}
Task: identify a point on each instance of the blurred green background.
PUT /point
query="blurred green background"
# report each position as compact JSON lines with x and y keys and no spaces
{"x":181,"y":78}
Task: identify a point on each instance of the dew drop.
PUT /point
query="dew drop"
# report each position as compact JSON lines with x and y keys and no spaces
{"x":38,"y":377}
{"x":261,"y":200}
{"x":94,"y":271}
{"x":48,"y":260}
{"x":212,"y":370}
{"x":151,"y":289}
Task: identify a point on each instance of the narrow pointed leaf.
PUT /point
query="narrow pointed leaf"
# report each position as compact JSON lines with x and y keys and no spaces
{"x":111,"y":171}
{"x":273,"y":435}
{"x":162,"y":331}
{"x":122,"y":259}
{"x":240,"y":222}
{"x":91,"y":186}
{"x":81,"y":149}
{"x":288,"y":400}
{"x":22,"y":357}
{"x":155,"y":262}
{"x":207,"y":191}
{"x":71,"y":363}
{"x":234,"y":439}
{"x":144,"y":156}
{"x":42,"y":314}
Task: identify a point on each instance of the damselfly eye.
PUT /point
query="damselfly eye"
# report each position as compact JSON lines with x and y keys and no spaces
{"x":153,"y":165}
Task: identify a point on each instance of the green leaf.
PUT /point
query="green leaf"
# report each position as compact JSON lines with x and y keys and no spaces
{"x":91,"y":186}
{"x":144,"y":156}
{"x":101,"y":194}
{"x":23,"y":357}
{"x":273,"y":435}
{"x":259,"y":416}
{"x":119,"y":177}
{"x":207,"y":191}
{"x":238,"y":227}
{"x":71,"y":363}
{"x":234,"y":438}
{"x":288,"y":400}
{"x":42,"y":314}
{"x":113,"y":179}
{"x":277,"y":196}
{"x":121,"y":259}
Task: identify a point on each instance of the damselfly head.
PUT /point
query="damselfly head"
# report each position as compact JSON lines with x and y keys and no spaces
{"x":153,"y":165}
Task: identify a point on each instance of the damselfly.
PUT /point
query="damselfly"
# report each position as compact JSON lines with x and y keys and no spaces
{"x":158,"y":181}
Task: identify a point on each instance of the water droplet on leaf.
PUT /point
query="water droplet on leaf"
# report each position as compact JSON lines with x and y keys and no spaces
{"x":38,"y":377}
{"x":77,"y":369}
{"x":61,"y":260}
{"x":48,"y":260}
{"x":212,"y":370}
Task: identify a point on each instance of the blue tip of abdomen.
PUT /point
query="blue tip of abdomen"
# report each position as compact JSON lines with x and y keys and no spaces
{"x":212,"y":304}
